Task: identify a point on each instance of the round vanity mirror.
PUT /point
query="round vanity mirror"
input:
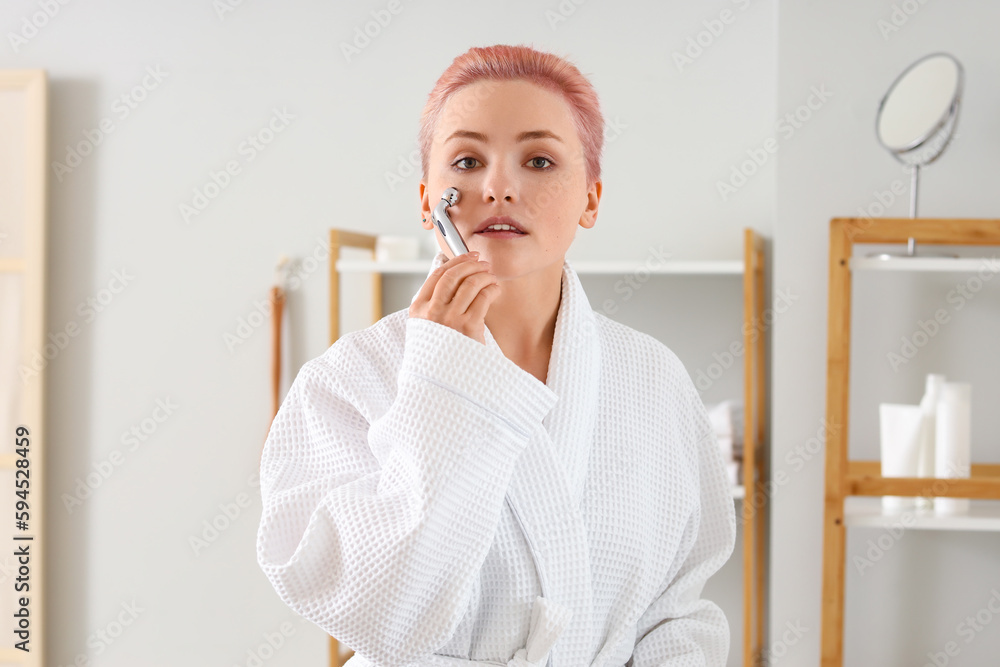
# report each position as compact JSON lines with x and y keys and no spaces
{"x":918,"y":115}
{"x":916,"y":118}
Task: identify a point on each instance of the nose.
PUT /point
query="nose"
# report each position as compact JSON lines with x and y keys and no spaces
{"x":499,"y":185}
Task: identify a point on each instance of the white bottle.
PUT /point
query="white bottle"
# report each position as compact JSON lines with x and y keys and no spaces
{"x":899,"y":427}
{"x":928,"y":428}
{"x":953,"y":443}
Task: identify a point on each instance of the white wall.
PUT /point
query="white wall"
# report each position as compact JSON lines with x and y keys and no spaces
{"x":919,"y":590}
{"x":163,"y":337}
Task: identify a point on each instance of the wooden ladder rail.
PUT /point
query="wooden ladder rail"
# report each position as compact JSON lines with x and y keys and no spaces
{"x":754,"y":454}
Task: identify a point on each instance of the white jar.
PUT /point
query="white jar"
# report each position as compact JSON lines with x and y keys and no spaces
{"x":396,"y":248}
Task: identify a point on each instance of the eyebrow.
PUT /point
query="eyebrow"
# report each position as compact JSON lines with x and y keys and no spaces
{"x":524,"y":136}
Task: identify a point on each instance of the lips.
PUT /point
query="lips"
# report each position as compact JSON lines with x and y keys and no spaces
{"x":500,"y":220}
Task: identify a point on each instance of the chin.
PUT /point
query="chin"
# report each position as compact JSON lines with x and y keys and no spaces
{"x":511,"y":270}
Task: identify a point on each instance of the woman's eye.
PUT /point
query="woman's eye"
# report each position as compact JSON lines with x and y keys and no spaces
{"x":467,"y":163}
{"x":459,"y":161}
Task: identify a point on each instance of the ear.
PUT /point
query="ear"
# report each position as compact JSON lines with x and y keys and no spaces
{"x":425,"y":208}
{"x":589,"y":217}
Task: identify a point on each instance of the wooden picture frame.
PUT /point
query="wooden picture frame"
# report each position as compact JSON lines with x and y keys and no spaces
{"x":23,"y":182}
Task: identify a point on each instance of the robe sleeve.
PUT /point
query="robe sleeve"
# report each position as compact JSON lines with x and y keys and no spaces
{"x":376,"y":532}
{"x":680,"y":628}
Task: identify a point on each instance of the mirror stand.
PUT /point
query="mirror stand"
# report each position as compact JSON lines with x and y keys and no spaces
{"x":911,"y":243}
{"x":914,"y":185}
{"x":916,"y":120}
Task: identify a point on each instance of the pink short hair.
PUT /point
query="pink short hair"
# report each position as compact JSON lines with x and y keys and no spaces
{"x":510,"y":63}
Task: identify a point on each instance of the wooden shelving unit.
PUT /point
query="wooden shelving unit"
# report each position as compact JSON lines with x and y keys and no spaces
{"x":752,"y":268}
{"x":845,"y":477}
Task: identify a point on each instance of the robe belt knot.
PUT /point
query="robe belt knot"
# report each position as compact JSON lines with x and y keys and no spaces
{"x":548,"y":620}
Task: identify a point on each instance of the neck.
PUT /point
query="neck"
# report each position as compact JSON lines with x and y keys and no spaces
{"x":523,"y":318}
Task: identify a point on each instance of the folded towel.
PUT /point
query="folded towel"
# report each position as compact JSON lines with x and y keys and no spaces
{"x":727,"y":422}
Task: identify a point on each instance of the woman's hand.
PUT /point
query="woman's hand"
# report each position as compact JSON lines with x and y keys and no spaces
{"x":458,"y":294}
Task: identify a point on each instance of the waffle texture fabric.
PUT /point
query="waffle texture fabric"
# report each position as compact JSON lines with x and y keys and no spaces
{"x":427,"y":502}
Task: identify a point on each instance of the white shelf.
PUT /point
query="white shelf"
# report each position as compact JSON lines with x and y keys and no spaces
{"x":624,"y":267}
{"x":960,"y":264}
{"x":983,"y":515}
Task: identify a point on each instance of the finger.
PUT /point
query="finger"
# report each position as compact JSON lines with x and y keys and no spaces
{"x":427,"y":289}
{"x":469,"y":289}
{"x":481,"y":304}
{"x":449,"y":283}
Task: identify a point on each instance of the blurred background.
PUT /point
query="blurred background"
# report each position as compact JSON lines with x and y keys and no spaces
{"x":220,"y":135}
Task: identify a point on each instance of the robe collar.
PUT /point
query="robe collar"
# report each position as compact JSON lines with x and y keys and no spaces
{"x":550,"y":476}
{"x":573,"y":376}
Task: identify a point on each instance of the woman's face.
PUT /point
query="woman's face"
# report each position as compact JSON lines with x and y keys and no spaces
{"x":511,"y":149}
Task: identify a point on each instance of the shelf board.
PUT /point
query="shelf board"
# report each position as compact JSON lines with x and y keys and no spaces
{"x":983,"y":515}
{"x":960,"y":264}
{"x":623,"y":267}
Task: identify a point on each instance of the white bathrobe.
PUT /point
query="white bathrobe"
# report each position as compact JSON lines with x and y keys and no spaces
{"x":429,"y":503}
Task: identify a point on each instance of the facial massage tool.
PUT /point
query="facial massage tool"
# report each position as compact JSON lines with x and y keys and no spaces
{"x":444,"y":224}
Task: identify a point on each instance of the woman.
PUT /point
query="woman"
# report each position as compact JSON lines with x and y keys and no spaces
{"x":500,"y":475}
